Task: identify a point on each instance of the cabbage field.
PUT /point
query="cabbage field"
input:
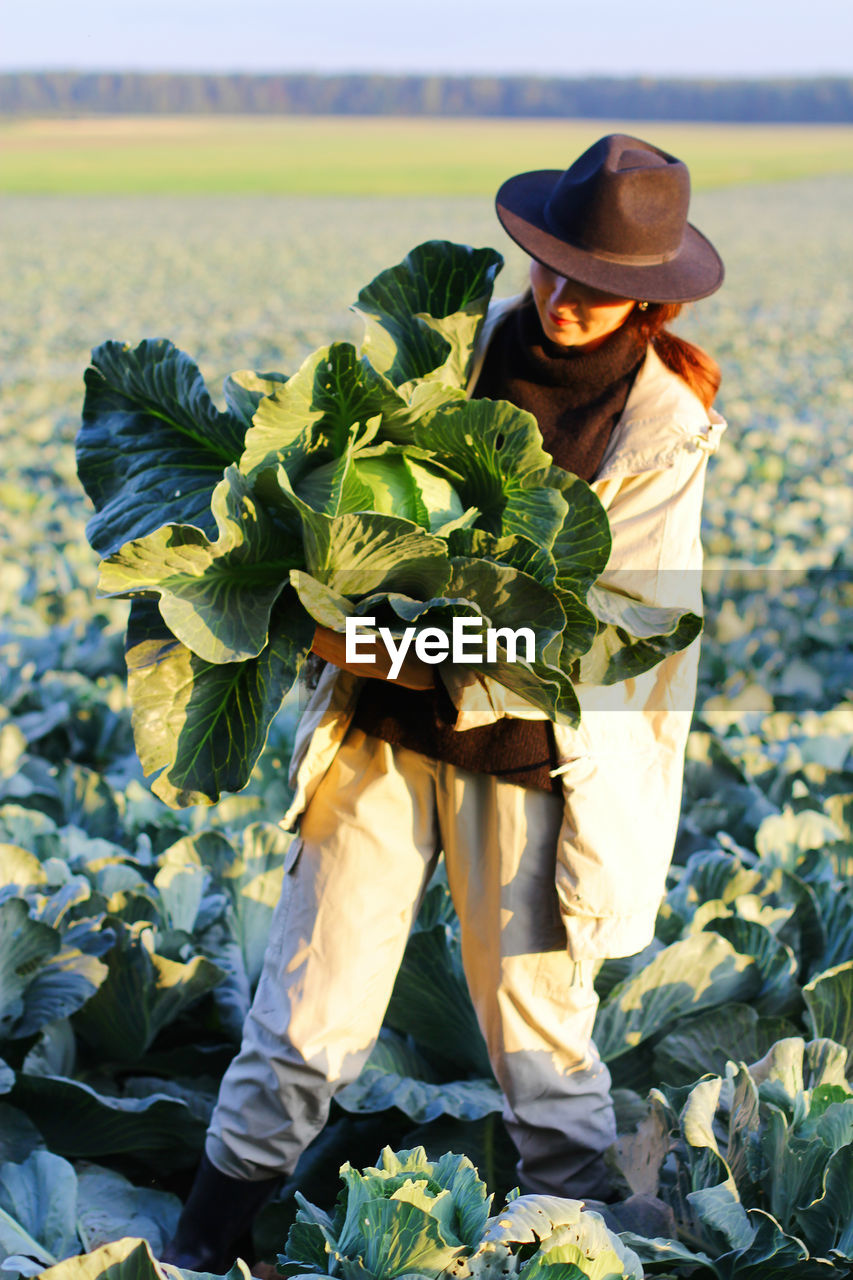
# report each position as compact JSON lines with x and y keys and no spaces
{"x":132,"y":934}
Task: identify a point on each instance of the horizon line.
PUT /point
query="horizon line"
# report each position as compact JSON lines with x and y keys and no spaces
{"x":693,"y":78}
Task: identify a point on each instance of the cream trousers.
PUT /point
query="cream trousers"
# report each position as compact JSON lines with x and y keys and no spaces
{"x":368,"y":844}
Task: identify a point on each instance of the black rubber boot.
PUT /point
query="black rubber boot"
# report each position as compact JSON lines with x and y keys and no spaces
{"x":217,"y":1213}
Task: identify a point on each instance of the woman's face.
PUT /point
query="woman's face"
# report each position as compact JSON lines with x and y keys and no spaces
{"x":573,"y":314}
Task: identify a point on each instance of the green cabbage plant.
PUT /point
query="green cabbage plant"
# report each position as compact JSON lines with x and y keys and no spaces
{"x":365,"y":484}
{"x":757,"y":1166}
{"x":411,"y":1216}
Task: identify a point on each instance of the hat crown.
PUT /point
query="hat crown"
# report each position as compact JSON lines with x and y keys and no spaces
{"x":622,"y":197}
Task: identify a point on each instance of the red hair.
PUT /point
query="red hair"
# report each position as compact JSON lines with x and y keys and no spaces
{"x":693,"y":365}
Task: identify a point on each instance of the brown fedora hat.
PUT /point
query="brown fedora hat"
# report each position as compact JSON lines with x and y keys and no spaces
{"x":615,"y":220}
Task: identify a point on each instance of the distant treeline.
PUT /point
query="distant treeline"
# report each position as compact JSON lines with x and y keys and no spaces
{"x":823,"y":100}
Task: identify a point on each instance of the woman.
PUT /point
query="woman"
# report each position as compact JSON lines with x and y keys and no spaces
{"x":556,"y":841}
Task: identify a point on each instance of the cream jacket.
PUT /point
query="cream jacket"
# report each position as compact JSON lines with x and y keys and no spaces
{"x":622,"y":767}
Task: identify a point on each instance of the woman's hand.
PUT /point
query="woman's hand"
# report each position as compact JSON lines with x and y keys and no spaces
{"x":331,"y":646}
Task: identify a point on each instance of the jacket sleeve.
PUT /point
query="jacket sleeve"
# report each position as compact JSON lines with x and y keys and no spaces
{"x":623,"y":766}
{"x":655,"y":518}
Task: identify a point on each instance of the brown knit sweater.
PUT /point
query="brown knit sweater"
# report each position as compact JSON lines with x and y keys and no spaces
{"x":576,"y":397}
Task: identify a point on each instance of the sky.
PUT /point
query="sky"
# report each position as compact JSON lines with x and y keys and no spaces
{"x":549,"y":37}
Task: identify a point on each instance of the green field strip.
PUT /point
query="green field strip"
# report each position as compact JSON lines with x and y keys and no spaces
{"x":360,"y":156}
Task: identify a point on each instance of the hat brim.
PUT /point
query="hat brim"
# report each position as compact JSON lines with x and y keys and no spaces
{"x":694,"y":272}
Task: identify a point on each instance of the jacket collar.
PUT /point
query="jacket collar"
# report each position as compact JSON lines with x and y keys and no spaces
{"x":662,"y":416}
